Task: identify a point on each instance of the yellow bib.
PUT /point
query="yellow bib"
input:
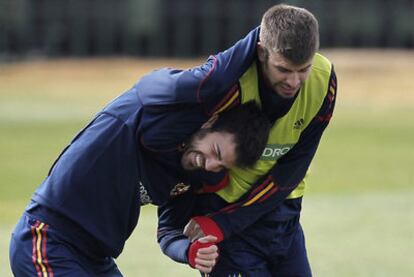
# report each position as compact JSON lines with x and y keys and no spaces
{"x":285,"y":131}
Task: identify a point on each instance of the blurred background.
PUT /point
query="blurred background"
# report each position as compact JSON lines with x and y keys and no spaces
{"x":184,"y":28}
{"x":61,"y":61}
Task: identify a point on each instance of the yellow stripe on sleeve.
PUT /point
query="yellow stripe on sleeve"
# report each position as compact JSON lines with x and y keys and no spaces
{"x":332,"y":90}
{"x":228,"y":103}
{"x":260,"y":194}
{"x":39,"y":249}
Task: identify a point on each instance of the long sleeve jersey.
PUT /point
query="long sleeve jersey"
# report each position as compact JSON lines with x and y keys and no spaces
{"x":128,"y":155}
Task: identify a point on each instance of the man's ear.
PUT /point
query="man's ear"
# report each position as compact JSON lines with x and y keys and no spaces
{"x":261,"y":52}
{"x":210,"y":122}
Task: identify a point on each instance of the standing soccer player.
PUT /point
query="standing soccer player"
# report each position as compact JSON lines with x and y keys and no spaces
{"x":255,"y":212}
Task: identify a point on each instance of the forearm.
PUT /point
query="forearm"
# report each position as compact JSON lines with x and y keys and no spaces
{"x":175,"y":245}
{"x":172,"y":218}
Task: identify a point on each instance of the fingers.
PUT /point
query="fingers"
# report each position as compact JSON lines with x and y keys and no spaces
{"x":208,"y":238}
{"x":208,"y":253}
{"x":206,"y":263}
{"x":206,"y":258}
{"x":204,"y":269}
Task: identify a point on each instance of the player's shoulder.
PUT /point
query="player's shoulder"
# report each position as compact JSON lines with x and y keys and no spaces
{"x":321,"y":64}
{"x":168,"y":86}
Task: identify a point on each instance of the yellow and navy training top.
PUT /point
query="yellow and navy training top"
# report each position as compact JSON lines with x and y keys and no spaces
{"x":246,"y":195}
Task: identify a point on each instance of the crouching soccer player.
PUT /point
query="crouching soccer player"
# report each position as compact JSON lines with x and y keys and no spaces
{"x":144,"y":147}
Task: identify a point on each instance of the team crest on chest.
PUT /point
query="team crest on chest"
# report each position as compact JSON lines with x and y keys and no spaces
{"x":180,"y":188}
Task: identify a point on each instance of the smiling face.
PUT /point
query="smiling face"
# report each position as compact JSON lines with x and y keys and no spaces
{"x":284,"y":77}
{"x":211,"y":151}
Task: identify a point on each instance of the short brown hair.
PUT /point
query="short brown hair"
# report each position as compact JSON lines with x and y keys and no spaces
{"x":290,"y":31}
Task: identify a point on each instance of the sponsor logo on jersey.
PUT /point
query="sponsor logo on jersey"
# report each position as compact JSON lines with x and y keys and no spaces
{"x":143,"y":195}
{"x":273,"y":152}
{"x":180,"y":188}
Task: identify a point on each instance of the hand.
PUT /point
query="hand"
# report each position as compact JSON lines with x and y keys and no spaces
{"x":206,"y":257}
{"x":193,"y":230}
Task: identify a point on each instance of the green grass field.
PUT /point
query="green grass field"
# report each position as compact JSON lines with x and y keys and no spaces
{"x":358,"y":212}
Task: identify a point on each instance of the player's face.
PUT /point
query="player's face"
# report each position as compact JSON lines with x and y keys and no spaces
{"x":211,"y":151}
{"x":281,"y":75}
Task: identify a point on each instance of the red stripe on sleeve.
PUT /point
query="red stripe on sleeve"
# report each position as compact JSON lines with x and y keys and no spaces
{"x":34,"y":252}
{"x":267,"y":195}
{"x":205,"y":78}
{"x":259,"y":188}
{"x":231,"y":92}
{"x":234,"y":206}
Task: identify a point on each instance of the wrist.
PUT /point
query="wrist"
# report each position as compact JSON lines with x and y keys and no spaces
{"x":209,"y":227}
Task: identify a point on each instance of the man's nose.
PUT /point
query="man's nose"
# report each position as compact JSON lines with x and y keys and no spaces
{"x":213,"y":165}
{"x":293,"y":79}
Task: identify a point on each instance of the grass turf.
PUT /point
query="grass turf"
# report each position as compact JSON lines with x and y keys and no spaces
{"x":357,"y":212}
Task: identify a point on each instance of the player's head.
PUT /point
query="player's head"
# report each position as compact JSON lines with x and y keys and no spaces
{"x":289,"y":38}
{"x":290,"y":31}
{"x":233,"y":138}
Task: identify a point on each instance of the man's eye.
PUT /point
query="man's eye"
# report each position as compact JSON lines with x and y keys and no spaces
{"x":283,"y":70}
{"x":217,"y":152}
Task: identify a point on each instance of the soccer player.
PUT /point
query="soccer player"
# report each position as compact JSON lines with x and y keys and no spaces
{"x":254,"y":213}
{"x":146,"y":146}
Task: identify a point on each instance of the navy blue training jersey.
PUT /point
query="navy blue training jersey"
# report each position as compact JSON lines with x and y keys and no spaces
{"x":96,"y":187}
{"x":130,"y":154}
{"x":96,"y":180}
